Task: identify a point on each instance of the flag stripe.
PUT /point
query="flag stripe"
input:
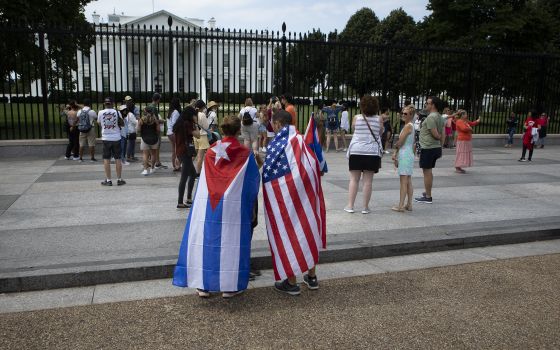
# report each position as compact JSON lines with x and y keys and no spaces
{"x":212,"y":242}
{"x":281,"y":259}
{"x":289,"y":228}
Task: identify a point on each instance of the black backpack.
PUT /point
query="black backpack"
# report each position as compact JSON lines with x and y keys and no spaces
{"x":84,"y":124}
{"x":247,"y":119}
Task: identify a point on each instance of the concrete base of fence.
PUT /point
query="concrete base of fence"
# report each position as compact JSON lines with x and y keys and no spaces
{"x":43,"y":147}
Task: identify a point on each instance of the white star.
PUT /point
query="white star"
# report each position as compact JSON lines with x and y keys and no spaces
{"x":275,"y":171}
{"x":285,"y":167}
{"x":220,"y":150}
{"x":268,"y":167}
{"x":265,"y":175}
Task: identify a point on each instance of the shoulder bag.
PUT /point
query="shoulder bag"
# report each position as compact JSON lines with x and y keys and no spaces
{"x":381,"y":153}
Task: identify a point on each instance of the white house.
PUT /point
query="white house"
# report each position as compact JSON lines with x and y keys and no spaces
{"x":132,"y":54}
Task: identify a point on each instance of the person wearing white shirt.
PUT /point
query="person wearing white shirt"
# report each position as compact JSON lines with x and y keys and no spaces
{"x":250,"y":129}
{"x":110,"y":122}
{"x":212,"y":110}
{"x":174,"y":113}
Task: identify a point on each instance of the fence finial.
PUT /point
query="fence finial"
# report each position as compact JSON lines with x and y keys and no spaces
{"x":284,"y":27}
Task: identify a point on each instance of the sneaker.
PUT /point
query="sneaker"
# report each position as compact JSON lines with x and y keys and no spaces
{"x":81,"y":160}
{"x":93,"y":160}
{"x":311,"y":282}
{"x":366,"y":211}
{"x":203,"y":293}
{"x":286,"y":287}
{"x":228,"y":295}
{"x":75,"y":158}
{"x":345,"y":149}
{"x":124,"y":162}
{"x":529,"y":159}
{"x":188,"y":203}
{"x":68,"y":158}
{"x":160,"y":166}
{"x":349,"y":210}
{"x":121,"y":182}
{"x":522,"y":160}
{"x":423,"y":199}
{"x":107,"y":183}
{"x":152,"y":170}
{"x":145,"y":172}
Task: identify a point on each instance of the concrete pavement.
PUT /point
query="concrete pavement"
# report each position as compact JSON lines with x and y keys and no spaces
{"x":60,"y":228}
{"x":509,"y":304}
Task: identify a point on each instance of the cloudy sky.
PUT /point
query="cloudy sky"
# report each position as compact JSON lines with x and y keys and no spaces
{"x":300,"y":16}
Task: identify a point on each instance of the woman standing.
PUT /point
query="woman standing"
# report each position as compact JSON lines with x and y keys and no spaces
{"x":73,"y":148}
{"x":124,"y":133}
{"x":132,"y":125}
{"x":364,"y":151}
{"x":148,"y":127}
{"x":263,"y":121}
{"x":404,"y":159}
{"x":530,"y":130}
{"x":344,"y":125}
{"x":172,"y":116}
{"x":212,"y":110}
{"x":463,"y":155}
{"x":184,"y":130}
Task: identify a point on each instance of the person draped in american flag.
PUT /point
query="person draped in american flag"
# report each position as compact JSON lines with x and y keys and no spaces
{"x":294,"y":207}
{"x":215,"y":251}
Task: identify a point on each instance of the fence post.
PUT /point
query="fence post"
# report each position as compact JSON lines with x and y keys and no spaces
{"x":468,"y":93}
{"x":540,"y":91}
{"x":384,"y":99}
{"x":283,"y":64}
{"x":44,"y":88}
{"x":170,"y":22}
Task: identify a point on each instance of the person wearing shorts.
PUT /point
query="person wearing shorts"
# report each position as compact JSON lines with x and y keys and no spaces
{"x":431,"y":141}
{"x":88,"y":138}
{"x":250,"y":133}
{"x":201,"y":143}
{"x":111,"y":122}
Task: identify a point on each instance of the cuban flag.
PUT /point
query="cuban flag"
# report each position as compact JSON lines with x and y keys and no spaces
{"x":312,"y":140}
{"x":294,"y":204}
{"x":216,"y":247}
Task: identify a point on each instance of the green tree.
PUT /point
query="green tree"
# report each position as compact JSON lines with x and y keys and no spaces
{"x":20,"y":21}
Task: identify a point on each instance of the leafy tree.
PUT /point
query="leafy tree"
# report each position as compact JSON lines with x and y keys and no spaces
{"x":19,"y":21}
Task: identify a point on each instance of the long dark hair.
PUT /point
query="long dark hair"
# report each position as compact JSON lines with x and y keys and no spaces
{"x":185,"y":120}
{"x":174,"y":105}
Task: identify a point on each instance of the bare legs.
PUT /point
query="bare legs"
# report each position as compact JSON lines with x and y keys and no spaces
{"x":405,"y":194}
{"x":367,"y":179}
{"x":199,"y":159}
{"x":428,"y":181}
{"x":334,"y":135}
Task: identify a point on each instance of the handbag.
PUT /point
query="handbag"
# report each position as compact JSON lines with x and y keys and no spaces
{"x":213,"y":136}
{"x":381,"y":153}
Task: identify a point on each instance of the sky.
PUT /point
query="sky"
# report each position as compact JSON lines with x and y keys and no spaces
{"x":300,"y":16}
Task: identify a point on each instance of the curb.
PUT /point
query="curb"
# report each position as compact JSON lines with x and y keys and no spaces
{"x":360,"y":246}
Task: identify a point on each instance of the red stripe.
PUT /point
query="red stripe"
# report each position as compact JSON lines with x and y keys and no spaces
{"x":290,"y":231}
{"x":276,"y":234}
{"x":301,"y":213}
{"x":311,"y":195}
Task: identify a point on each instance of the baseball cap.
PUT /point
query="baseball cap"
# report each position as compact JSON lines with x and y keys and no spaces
{"x":122,"y":107}
{"x":127,"y":98}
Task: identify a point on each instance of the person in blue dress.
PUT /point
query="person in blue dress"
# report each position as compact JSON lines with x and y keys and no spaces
{"x":404,"y":159}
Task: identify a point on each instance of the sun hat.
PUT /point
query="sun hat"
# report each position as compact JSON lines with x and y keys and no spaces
{"x":212,"y":104}
{"x":122,"y":107}
{"x":127,"y":98}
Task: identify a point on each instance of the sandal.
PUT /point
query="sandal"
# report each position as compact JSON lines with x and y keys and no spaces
{"x":400,"y":210}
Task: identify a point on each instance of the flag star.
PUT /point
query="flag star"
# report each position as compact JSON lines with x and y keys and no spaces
{"x":285,"y":167}
{"x":275,"y":171}
{"x":268,"y":156}
{"x":268,"y":167}
{"x":265,"y":175}
{"x":220,"y":150}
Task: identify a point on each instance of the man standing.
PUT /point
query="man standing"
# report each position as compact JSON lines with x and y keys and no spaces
{"x":294,"y":207}
{"x":431,"y":140}
{"x":287,"y":102}
{"x":111,"y":122}
{"x":86,"y":127}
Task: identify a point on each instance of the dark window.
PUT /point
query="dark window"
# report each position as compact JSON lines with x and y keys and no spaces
{"x":261,"y":61}
{"x":105,"y":56}
{"x":243,"y":61}
{"x":243,"y":85}
{"x":226,"y":85}
{"x":226,"y":60}
{"x":87,"y":84}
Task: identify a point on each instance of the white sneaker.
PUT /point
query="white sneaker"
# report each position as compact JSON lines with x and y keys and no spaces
{"x":76,"y":158}
{"x":124,"y":162}
{"x":152,"y":170}
{"x":145,"y":172}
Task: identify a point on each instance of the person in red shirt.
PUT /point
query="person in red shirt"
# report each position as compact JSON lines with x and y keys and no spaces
{"x":287,"y":102}
{"x":542,"y":122}
{"x":463,"y":155}
{"x":529,"y":135}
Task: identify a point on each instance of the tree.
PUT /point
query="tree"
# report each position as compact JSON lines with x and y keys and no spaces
{"x":22,"y":20}
{"x":354,"y":68}
{"x":398,"y":28}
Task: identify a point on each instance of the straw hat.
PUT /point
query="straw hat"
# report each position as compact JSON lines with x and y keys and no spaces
{"x":122,"y":107}
{"x":212,"y":104}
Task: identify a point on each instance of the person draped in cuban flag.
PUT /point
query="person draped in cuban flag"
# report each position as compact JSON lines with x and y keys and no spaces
{"x":294,"y":207}
{"x":215,"y":252}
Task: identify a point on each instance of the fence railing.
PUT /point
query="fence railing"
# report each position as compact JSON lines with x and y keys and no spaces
{"x":229,"y":65}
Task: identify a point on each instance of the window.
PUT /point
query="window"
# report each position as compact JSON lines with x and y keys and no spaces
{"x":85,"y":60}
{"x":105,"y":56}
{"x":136,"y":83}
{"x":243,"y":61}
{"x":181,"y":84}
{"x":208,"y":84}
{"x":261,"y":61}
{"x":226,"y":85}
{"x":243,"y":85}
{"x":209,"y":60}
{"x":261,"y":85}
{"x":226,"y":60}
{"x":106,"y":84}
{"x":87,"y":84}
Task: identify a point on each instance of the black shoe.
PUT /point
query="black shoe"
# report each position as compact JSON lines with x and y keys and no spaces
{"x":253,"y":274}
{"x":121,"y":182}
{"x":181,"y":206}
{"x":107,"y":183}
{"x":286,"y":287}
{"x":93,"y":160}
{"x":311,"y":282}
{"x":529,"y":159}
{"x":188,"y":203}
{"x":423,"y":199}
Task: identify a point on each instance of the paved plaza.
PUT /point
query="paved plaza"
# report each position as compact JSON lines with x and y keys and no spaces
{"x":60,"y":227}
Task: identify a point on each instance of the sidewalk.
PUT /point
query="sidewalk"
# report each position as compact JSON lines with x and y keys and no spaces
{"x":60,"y":228}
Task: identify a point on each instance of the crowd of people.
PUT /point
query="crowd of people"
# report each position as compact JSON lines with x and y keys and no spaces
{"x":199,"y":143}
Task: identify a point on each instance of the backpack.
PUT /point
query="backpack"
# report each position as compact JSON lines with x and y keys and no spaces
{"x":84,"y":124}
{"x":247,"y":120}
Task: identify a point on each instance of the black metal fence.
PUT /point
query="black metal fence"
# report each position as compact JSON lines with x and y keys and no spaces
{"x":227,"y":66}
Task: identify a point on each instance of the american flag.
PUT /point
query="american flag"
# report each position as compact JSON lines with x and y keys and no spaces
{"x":294,"y":204}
